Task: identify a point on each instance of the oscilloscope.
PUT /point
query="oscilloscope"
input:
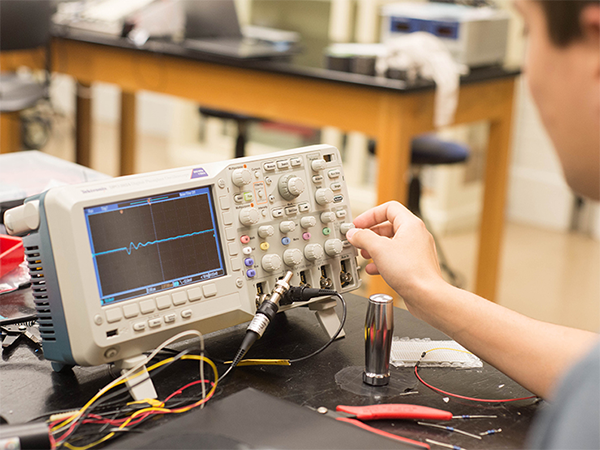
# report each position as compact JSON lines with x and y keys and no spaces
{"x":120,"y":265}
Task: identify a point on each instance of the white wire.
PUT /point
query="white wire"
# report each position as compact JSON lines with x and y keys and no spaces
{"x":148,"y":359}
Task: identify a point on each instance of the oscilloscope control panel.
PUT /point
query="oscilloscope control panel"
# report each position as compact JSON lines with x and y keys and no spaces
{"x":118,"y":266}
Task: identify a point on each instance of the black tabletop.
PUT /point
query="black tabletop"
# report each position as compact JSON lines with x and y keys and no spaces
{"x":306,"y":63}
{"x":29,"y":388}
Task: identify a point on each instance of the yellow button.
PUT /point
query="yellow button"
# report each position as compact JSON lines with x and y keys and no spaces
{"x":264,"y":246}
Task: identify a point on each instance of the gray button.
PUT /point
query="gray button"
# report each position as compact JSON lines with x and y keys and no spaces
{"x":269,"y":166}
{"x":277,"y":213}
{"x":334,"y":173}
{"x":163,"y":302}
{"x":194,"y":294}
{"x":153,"y":323}
{"x":227,"y":218}
{"x":179,"y":298}
{"x":209,"y":290}
{"x":232,"y":247}
{"x":140,"y":326}
{"x":170,"y":318}
{"x":291,"y":210}
{"x":224,"y":201}
{"x":186,"y":313}
{"x":147,"y":306}
{"x":296,"y":162}
{"x":130,"y":311}
{"x":283,"y":164}
{"x":113,"y":315}
{"x":303,"y":207}
{"x":336,"y":186}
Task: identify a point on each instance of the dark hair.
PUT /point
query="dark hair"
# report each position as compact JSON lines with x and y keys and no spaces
{"x":563,"y":19}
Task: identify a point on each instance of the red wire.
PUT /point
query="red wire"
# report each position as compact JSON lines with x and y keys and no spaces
{"x":469,"y":398}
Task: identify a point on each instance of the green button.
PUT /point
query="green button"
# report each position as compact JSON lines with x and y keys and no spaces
{"x":248,"y":196}
{"x":326,"y":231}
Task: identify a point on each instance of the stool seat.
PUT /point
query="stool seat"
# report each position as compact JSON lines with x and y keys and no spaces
{"x":226,"y":115}
{"x":430,"y":150}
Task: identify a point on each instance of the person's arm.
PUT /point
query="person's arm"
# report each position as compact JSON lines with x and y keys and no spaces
{"x":533,"y":353}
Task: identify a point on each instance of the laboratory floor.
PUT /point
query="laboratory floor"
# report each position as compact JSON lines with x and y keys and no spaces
{"x":547,"y":275}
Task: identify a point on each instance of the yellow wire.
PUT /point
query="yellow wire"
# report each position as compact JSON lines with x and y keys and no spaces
{"x":264,"y":362}
{"x":448,"y":348}
{"x":137,"y":413}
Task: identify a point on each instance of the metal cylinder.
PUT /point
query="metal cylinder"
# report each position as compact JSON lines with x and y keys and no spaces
{"x":379,"y":328}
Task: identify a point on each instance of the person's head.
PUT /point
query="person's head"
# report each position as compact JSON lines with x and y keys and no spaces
{"x":563,"y":71}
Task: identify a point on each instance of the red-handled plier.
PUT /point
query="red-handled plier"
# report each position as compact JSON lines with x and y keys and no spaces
{"x":355,"y":414}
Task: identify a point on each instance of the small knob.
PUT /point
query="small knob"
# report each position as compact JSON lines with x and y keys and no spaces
{"x":328,"y":216}
{"x":240,"y":177}
{"x":333,"y":247}
{"x":324,"y":196}
{"x":344,"y":227}
{"x":271,"y":262}
{"x":313,"y":252}
{"x":308,"y":221}
{"x":266,"y":231}
{"x":287,"y":226}
{"x":318,"y":164}
{"x":249,"y":216}
{"x":293,"y":257}
{"x":290,"y":186}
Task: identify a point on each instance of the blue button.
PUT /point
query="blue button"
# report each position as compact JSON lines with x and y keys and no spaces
{"x":249,"y":262}
{"x":251,"y":273}
{"x":285,"y":241}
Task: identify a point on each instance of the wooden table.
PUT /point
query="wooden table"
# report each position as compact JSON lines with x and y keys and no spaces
{"x":389,"y":111}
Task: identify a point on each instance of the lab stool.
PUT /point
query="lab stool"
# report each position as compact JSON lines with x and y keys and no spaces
{"x":242,"y":121}
{"x":429,"y":150}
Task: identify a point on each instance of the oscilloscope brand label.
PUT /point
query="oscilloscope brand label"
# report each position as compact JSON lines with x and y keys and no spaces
{"x":199,"y":172}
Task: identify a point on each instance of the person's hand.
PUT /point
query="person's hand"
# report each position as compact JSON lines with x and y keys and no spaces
{"x":402,"y":249}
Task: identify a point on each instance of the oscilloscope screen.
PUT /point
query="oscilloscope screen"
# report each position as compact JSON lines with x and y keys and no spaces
{"x":151,"y":244}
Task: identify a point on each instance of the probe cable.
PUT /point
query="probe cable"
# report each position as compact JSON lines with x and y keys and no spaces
{"x":484,"y":400}
{"x":288,"y":362}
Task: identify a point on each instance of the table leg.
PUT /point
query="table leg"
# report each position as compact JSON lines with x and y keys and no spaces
{"x":83,"y":127}
{"x":494,"y":200}
{"x":393,"y":152}
{"x":10,"y":132}
{"x":127,"y":145}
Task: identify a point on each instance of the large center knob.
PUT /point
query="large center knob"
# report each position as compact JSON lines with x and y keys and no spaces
{"x":292,"y":257}
{"x":240,"y":177}
{"x":271,"y":262}
{"x":290,"y":186}
{"x":249,"y":216}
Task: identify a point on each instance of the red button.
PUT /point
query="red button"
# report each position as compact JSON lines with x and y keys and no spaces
{"x":245,"y":239}
{"x":306,"y":236}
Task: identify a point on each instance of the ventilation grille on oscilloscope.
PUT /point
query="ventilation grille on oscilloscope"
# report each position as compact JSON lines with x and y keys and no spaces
{"x":40,"y":294}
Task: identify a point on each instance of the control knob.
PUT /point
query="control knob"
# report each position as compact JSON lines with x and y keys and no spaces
{"x":328,"y":216}
{"x":290,"y":186}
{"x":318,"y":164}
{"x":344,"y":227}
{"x":271,"y":262}
{"x":266,"y":231}
{"x":308,"y":221}
{"x":287,"y":226}
{"x":323,"y":196}
{"x":249,"y":216}
{"x":333,"y":247}
{"x":292,"y":257}
{"x":313,"y":252}
{"x":240,"y":177}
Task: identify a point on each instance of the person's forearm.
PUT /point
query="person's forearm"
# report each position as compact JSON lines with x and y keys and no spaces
{"x":533,"y":353}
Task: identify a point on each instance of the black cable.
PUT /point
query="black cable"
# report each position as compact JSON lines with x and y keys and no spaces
{"x":333,"y":338}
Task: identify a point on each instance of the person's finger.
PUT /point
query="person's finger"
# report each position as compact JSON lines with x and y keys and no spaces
{"x":385,"y":229}
{"x":365,"y":254}
{"x":366,"y":240}
{"x":393,"y":212}
{"x":371,"y":269}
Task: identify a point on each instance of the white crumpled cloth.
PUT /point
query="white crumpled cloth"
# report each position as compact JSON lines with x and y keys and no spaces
{"x":426,"y":55}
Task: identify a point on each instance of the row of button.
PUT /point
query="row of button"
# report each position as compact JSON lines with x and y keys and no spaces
{"x":162,"y":302}
{"x":158,"y":321}
{"x":290,"y":210}
{"x":282,"y":164}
